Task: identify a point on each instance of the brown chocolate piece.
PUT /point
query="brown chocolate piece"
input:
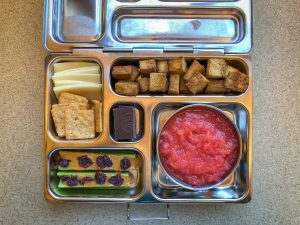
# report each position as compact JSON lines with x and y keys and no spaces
{"x":124,"y":123}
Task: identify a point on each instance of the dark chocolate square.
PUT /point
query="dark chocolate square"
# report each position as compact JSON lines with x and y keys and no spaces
{"x":124,"y":123}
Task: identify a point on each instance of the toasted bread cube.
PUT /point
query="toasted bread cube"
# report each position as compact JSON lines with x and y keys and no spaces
{"x":196,"y":67}
{"x":215,"y":87}
{"x":158,"y":82}
{"x":183,"y":89}
{"x":147,"y":66}
{"x":174,"y":84}
{"x":216,"y":68}
{"x":162,"y":66}
{"x":237,"y":82}
{"x":144,"y":83}
{"x":177,"y":65}
{"x":129,"y":88}
{"x":125,"y":73}
{"x":197,"y":83}
{"x":230,"y":69}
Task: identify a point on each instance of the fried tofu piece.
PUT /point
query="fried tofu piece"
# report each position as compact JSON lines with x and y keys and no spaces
{"x":183,"y":89}
{"x":196,"y":67}
{"x":71,"y":98}
{"x":162,"y":66}
{"x":129,"y":88}
{"x":58,"y":114}
{"x":177,"y":65}
{"x":174,"y":84}
{"x":197,"y":83}
{"x":125,"y":73}
{"x":144,"y":83}
{"x":230,"y":69}
{"x":216,"y":68}
{"x":147,"y":66}
{"x":237,"y":82}
{"x":215,"y":87}
{"x":158,"y":82}
{"x":97,"y":107}
{"x":80,"y":124}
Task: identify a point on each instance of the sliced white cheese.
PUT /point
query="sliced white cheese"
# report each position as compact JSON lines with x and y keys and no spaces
{"x":91,"y":91}
{"x":82,"y":77}
{"x":82,"y":70}
{"x":57,"y":67}
{"x":59,"y":83}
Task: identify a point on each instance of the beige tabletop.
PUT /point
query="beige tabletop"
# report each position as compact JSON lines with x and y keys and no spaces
{"x":276,"y":132}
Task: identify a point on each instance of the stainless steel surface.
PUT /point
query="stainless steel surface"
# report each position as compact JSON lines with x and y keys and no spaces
{"x":181,"y":183}
{"x":168,"y":25}
{"x":155,"y":192}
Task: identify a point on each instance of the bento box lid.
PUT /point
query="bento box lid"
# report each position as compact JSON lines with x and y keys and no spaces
{"x":116,"y":25}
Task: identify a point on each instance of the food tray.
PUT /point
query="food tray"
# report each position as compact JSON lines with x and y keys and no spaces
{"x":114,"y":44}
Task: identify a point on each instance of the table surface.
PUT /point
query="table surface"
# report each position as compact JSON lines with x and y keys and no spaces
{"x":276,"y":131}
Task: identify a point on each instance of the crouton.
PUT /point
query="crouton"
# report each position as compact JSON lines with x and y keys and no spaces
{"x":197,"y":83}
{"x":158,"y":82}
{"x":177,"y":65}
{"x":237,"y":82}
{"x":215,"y":87}
{"x":196,"y":67}
{"x":174,"y":84}
{"x":216,"y":68}
{"x":183,"y":89}
{"x":127,"y":88}
{"x":162,"y":66}
{"x":125,"y":73}
{"x":230,"y":69}
{"x":147,"y":66}
{"x":144,"y":83}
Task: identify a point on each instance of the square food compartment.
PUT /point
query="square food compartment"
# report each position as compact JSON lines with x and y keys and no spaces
{"x":82,"y":193}
{"x":235,"y":189}
{"x":52,"y":99}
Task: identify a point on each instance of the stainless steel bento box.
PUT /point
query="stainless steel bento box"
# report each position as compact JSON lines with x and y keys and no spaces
{"x":114,"y":32}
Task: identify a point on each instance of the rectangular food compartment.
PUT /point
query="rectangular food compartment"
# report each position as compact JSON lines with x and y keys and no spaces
{"x":52,"y":99}
{"x":77,"y":20}
{"x":178,"y":25}
{"x":82,"y":193}
{"x":238,"y":63}
{"x":234,"y":189}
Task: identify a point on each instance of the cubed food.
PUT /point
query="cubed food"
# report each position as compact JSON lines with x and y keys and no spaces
{"x":216,"y":68}
{"x":124,"y":123}
{"x":129,"y":88}
{"x":237,"y":81}
{"x":158,"y":82}
{"x":147,"y":66}
{"x":69,"y":160}
{"x":97,"y":107}
{"x":230,"y":69}
{"x":177,"y":65}
{"x":174,"y":84}
{"x":162,"y":66}
{"x":215,"y":87}
{"x":125,"y":73}
{"x":144,"y":83}
{"x":196,"y":67}
{"x":183,"y":89}
{"x":197,"y":83}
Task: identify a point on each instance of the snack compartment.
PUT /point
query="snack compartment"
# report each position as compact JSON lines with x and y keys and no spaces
{"x":59,"y":189}
{"x":235,"y":189}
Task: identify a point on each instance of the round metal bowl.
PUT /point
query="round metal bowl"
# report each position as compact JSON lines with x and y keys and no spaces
{"x":188,"y":186}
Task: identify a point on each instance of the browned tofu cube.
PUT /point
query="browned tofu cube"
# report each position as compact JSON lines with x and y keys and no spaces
{"x":177,"y":65}
{"x":230,"y":69}
{"x":125,"y":73}
{"x":158,"y":82}
{"x":183,"y":89}
{"x":144,"y":83}
{"x":147,"y":66}
{"x":215,"y":87}
{"x":162,"y":66}
{"x":196,"y":67}
{"x":174,"y":82}
{"x":129,"y":88}
{"x":197,"y":83}
{"x":216,"y":68}
{"x":237,"y":82}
